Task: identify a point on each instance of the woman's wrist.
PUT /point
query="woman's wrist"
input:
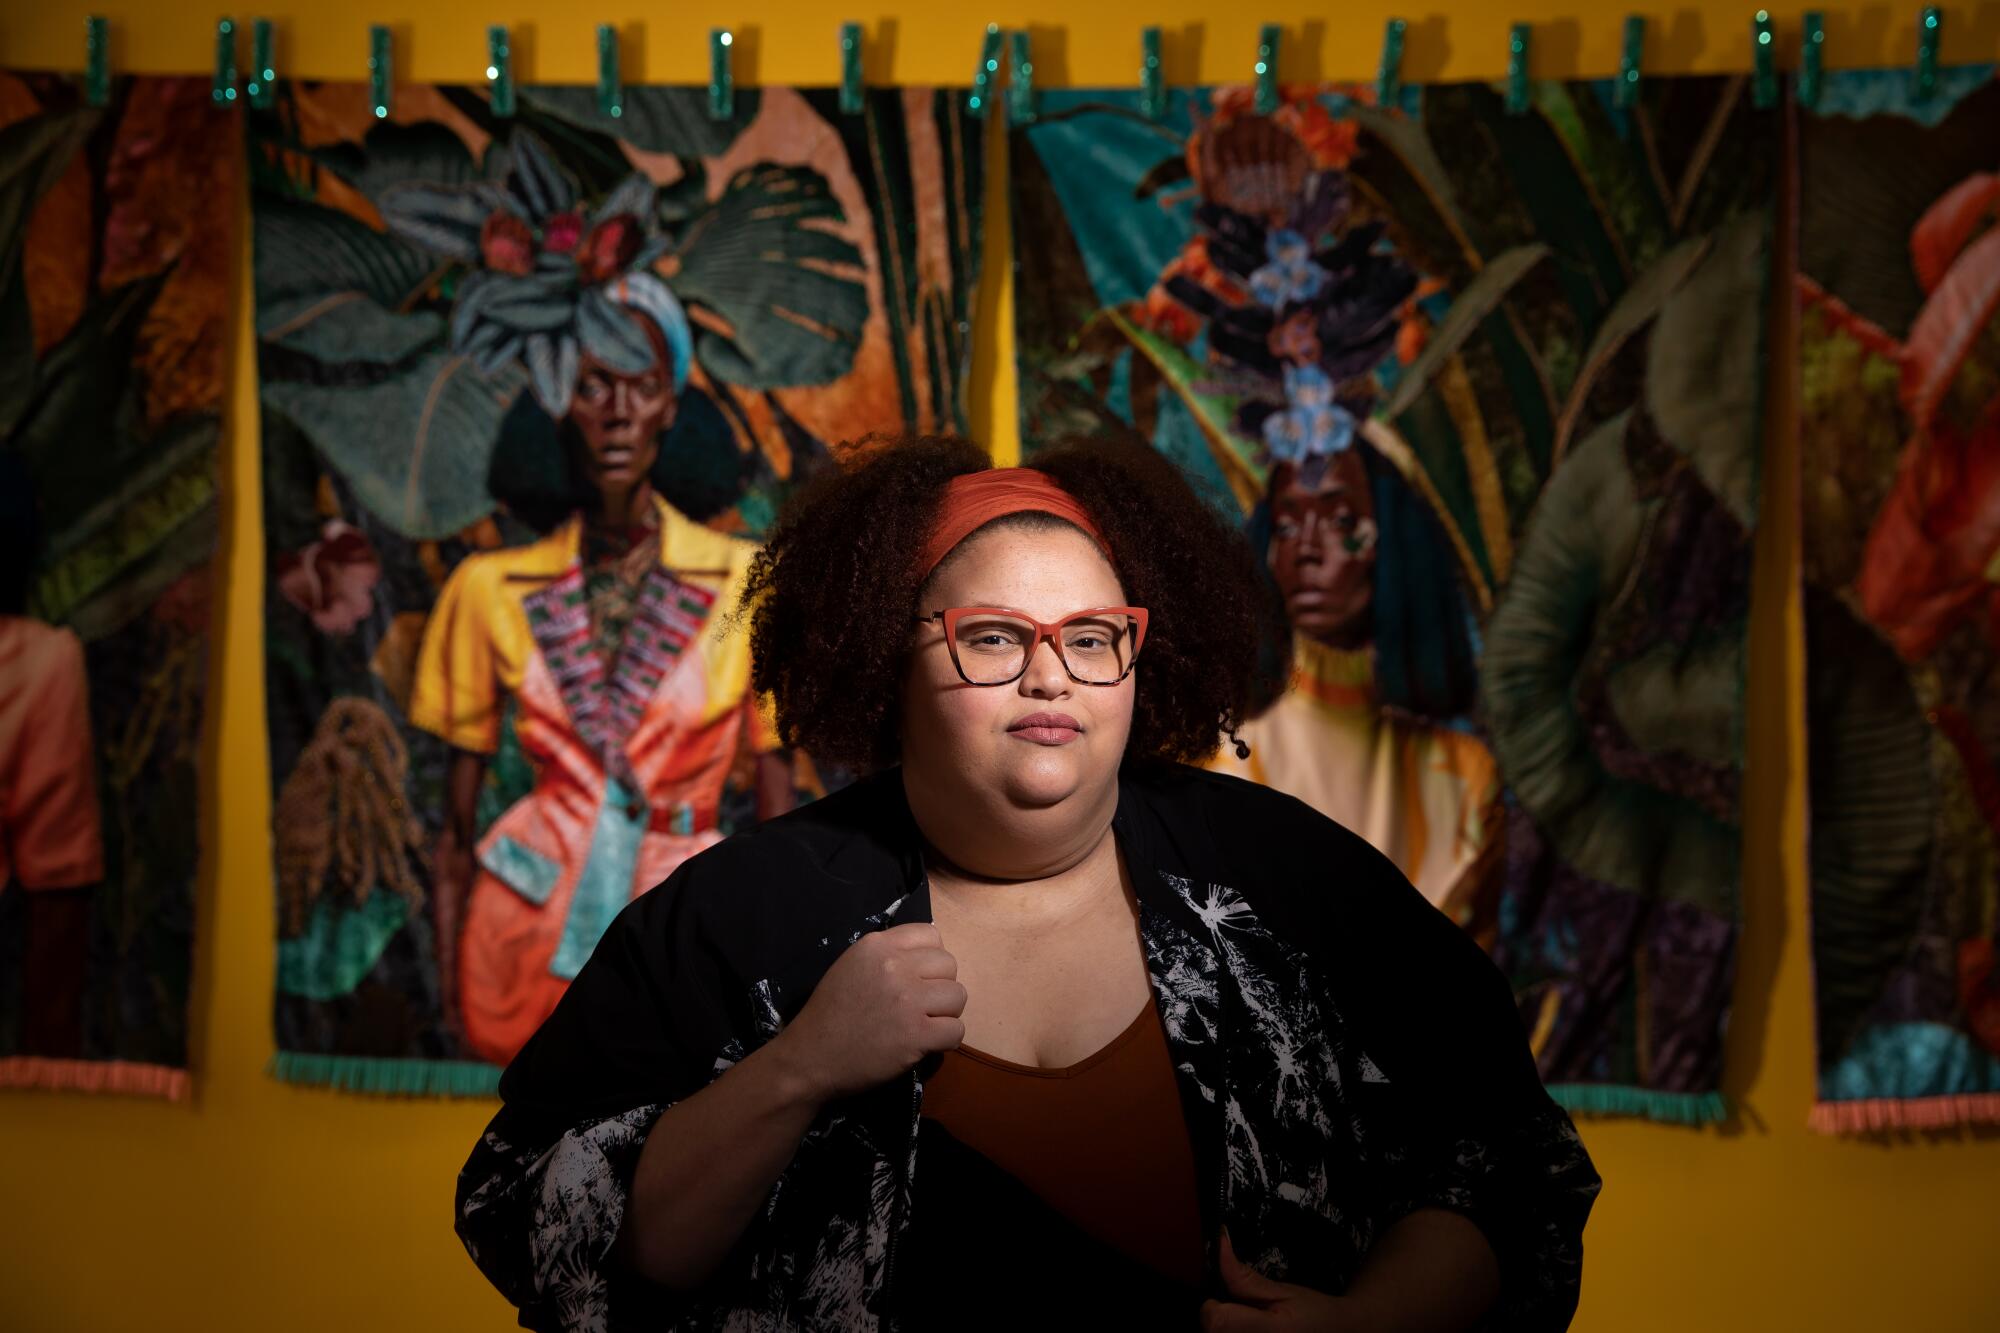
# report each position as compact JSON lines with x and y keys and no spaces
{"x":791,"y":1071}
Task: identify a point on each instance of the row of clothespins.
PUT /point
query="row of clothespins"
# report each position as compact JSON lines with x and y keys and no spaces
{"x":258,"y":89}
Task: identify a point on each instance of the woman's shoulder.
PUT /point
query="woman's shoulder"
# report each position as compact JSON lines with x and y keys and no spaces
{"x":1310,"y":877}
{"x":1239,"y":813}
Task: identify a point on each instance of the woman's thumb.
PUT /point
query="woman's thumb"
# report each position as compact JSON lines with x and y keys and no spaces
{"x":1243,"y":1280}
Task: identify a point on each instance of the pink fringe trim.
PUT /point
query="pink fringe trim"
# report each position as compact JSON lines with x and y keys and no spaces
{"x":33,"y":1071}
{"x":1880,"y":1113}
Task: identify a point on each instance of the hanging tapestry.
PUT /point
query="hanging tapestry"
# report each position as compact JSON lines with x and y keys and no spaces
{"x":1898,"y":289}
{"x":116,"y":258}
{"x":532,"y":386}
{"x":1484,"y":391}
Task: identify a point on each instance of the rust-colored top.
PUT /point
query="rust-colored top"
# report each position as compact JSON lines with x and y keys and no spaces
{"x":1102,"y":1141}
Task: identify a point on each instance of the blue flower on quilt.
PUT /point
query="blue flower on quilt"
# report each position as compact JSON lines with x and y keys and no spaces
{"x":1290,"y":277}
{"x":1312,"y":425}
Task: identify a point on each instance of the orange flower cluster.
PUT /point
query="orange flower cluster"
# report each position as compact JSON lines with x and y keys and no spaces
{"x":1169,"y":318}
{"x":1301,"y":113}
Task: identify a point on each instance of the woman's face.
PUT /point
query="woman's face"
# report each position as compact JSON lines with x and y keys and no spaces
{"x":1323,"y":549}
{"x":1045,"y":738}
{"x":621,"y":419}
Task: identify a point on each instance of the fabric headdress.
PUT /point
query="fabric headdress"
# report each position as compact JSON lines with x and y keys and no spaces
{"x":550,"y":282}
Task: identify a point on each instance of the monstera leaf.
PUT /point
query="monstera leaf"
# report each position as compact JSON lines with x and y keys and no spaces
{"x":653,"y":120}
{"x":391,"y":154}
{"x":407,"y":423}
{"x":759,"y":264}
{"x":303,"y":249}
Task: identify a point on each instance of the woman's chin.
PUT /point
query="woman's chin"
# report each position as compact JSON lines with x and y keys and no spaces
{"x":1046,"y":777}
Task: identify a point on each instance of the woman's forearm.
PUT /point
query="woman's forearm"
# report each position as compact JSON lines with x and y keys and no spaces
{"x":1432,"y":1272}
{"x":708,"y":1164}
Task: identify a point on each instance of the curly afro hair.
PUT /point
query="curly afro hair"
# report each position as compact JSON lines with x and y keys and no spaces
{"x":833,"y":595}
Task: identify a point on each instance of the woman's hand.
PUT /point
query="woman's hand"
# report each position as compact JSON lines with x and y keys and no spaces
{"x":885,"y":1004}
{"x":1263,"y":1305}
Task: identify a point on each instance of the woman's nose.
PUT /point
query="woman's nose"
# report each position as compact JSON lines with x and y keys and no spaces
{"x":1046,"y":674}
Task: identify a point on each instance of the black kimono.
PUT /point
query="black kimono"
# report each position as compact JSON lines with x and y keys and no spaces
{"x":1345,"y":1056}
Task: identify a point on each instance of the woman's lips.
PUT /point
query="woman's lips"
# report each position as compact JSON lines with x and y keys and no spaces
{"x":1047,"y":728}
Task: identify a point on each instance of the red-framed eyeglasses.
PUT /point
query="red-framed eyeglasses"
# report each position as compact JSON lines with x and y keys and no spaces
{"x":992,"y":645}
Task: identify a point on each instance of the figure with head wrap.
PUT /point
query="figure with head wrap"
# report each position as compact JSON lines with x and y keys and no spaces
{"x":630,"y":696}
{"x":1300,"y":304}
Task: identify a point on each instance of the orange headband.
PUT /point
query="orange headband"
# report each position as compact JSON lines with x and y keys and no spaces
{"x":974,"y":499}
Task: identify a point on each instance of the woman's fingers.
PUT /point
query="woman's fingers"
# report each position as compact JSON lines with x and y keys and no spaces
{"x":943,"y":999}
{"x":929,"y":963}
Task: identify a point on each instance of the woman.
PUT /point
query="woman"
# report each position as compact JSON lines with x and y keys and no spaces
{"x":1370,"y":731}
{"x":631,"y":697}
{"x":1034,"y":1026}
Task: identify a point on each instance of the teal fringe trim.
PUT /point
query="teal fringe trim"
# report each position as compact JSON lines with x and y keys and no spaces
{"x":362,"y":1073}
{"x":1674,"y":1108}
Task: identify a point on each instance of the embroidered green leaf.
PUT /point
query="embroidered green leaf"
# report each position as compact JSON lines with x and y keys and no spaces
{"x":1479,"y":299}
{"x":408,"y":424}
{"x":782,"y":297}
{"x":653,"y":119}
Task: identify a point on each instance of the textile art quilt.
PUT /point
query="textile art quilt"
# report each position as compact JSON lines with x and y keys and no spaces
{"x":116,"y":256}
{"x":1898,"y":289}
{"x":1484,"y":390}
{"x":532,"y":386}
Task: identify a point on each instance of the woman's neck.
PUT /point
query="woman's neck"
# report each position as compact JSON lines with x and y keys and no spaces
{"x":1040,"y":902}
{"x":987,"y":850}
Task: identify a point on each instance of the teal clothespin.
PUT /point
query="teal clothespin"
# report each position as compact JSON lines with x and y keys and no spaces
{"x":1626,"y":95}
{"x":1021,"y":91}
{"x":263,"y":71}
{"x":851,"y":98}
{"x":379,"y":69}
{"x":610,"y":88}
{"x":223,"y":90}
{"x":1389,"y":79}
{"x":721,"y":77}
{"x":499,"y":70}
{"x":1517,"y":69}
{"x":97,"y":60}
{"x":1268,"y":38}
{"x":1763,"y":50}
{"x":1152,"y":77}
{"x":1927,"y":47}
{"x":982,"y":78}
{"x":1811,"y":57}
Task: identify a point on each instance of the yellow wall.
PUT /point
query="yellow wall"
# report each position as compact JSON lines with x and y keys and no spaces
{"x":265,"y":1206}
